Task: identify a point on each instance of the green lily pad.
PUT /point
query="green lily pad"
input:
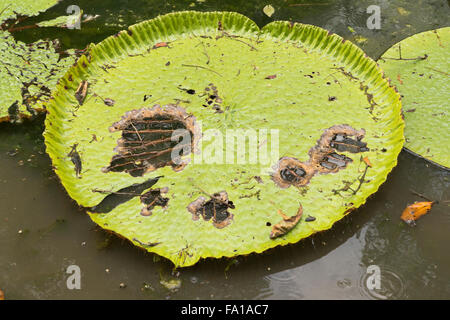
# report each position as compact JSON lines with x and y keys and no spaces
{"x":419,"y":67}
{"x":63,"y":21}
{"x":315,"y":109}
{"x":9,"y":9}
{"x":28,"y":73}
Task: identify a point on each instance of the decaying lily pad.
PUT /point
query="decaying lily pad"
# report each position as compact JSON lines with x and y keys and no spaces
{"x":69,"y":22}
{"x":419,"y":67}
{"x":28,"y":73}
{"x":149,"y":140}
{"x":268,"y":90}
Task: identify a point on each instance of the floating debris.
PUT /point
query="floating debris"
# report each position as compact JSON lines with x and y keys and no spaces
{"x":171,"y":284}
{"x":415,"y":211}
{"x":269,"y":10}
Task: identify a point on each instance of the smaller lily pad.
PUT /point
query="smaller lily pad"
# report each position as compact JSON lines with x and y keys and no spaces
{"x":419,"y":67}
{"x":28,"y":74}
{"x":63,"y":21}
{"x":9,"y":9}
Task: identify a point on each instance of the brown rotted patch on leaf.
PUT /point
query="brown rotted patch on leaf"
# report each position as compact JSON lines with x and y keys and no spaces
{"x":343,"y":138}
{"x":339,"y":137}
{"x":76,"y":159}
{"x":81,"y":92}
{"x":153,"y":198}
{"x":290,"y":171}
{"x":153,"y":138}
{"x":213,"y":99}
{"x":326,"y":161}
{"x":216,"y":208}
{"x":323,"y":157}
{"x":287,"y":224}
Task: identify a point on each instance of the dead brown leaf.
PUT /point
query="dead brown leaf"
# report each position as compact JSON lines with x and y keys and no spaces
{"x":415,"y":211}
{"x":81,"y":92}
{"x":367,"y":161}
{"x":287,"y":224}
{"x":160,"y":45}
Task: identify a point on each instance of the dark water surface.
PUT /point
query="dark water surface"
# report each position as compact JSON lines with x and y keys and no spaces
{"x":42,"y":231}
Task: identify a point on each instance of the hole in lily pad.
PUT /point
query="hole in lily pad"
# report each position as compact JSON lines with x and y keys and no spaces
{"x":151,"y":139}
{"x":216,"y":209}
{"x":153,"y":198}
{"x":342,"y":138}
{"x":290,"y":171}
{"x":232,"y":84}
{"x":334,"y":161}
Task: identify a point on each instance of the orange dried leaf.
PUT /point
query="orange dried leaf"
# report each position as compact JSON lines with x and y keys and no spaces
{"x":160,"y":45}
{"x":416,"y":210}
{"x":367,"y":161}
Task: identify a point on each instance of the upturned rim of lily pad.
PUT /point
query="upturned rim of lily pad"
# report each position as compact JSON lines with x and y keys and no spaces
{"x":178,"y":25}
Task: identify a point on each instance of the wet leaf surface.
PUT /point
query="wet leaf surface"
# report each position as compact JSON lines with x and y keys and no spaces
{"x":269,"y":10}
{"x":217,"y":75}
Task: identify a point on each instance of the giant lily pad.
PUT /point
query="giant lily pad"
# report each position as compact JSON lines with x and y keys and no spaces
{"x":419,"y":67}
{"x":113,"y":115}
